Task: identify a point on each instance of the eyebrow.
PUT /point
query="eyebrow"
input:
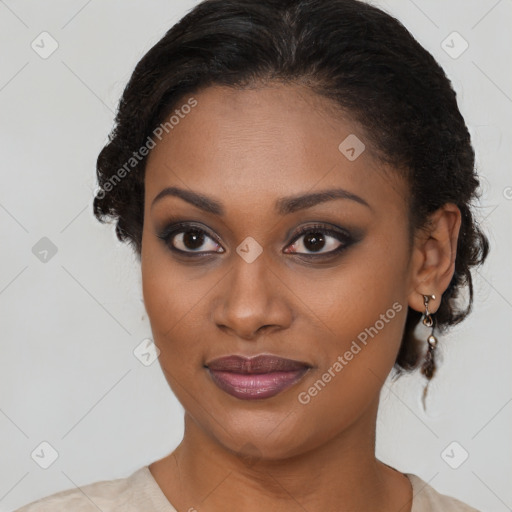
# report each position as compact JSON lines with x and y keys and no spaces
{"x":283,"y":206}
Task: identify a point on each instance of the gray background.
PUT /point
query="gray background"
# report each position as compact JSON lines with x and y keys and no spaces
{"x":69,"y":325}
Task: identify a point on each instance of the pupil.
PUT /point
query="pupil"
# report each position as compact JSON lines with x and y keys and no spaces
{"x":312,"y":239}
{"x":193,"y":239}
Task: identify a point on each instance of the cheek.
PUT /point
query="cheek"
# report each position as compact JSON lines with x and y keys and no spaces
{"x":176,"y":300}
{"x":362,"y":306}
{"x":167,"y":298}
{"x":366,"y":312}
{"x":171,"y":304}
{"x":361,"y":291}
{"x":364,"y":297}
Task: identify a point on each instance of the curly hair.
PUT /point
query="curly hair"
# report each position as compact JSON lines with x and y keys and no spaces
{"x":355,"y":54}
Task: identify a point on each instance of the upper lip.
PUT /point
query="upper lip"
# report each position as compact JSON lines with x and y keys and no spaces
{"x":257,"y":364}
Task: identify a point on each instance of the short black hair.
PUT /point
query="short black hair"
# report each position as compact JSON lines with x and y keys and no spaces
{"x":355,"y":54}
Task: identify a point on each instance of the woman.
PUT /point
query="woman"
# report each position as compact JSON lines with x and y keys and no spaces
{"x":297,"y":180}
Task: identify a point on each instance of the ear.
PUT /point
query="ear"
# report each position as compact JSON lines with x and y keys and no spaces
{"x":433,"y":257}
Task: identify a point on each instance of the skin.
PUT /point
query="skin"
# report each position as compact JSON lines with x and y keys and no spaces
{"x":247,"y":149}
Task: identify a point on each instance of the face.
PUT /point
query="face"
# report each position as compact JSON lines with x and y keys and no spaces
{"x":255,"y":270}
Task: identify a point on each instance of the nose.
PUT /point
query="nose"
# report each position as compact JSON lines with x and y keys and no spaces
{"x":252,"y":300}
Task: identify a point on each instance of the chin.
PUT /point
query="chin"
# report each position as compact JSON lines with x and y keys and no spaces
{"x":263,"y":436}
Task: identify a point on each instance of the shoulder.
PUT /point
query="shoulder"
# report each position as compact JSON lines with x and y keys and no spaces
{"x":427,"y":499}
{"x":105,"y":495}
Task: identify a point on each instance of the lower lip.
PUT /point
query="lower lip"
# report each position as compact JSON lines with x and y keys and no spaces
{"x":255,"y":386}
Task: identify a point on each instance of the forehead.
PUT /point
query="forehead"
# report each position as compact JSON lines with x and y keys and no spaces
{"x":246,"y":146}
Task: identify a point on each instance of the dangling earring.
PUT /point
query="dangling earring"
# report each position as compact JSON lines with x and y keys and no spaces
{"x":428,"y":367}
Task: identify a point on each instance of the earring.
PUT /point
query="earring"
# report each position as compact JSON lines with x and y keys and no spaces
{"x":429,"y":322}
{"x":428,"y":366}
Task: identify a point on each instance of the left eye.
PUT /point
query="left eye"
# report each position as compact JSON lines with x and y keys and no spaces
{"x":317,"y":241}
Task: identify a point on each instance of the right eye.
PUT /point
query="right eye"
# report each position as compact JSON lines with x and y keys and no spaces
{"x":190,"y":240}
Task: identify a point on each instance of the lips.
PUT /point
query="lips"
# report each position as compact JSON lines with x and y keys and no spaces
{"x":258,"y":364}
{"x":258,"y":377}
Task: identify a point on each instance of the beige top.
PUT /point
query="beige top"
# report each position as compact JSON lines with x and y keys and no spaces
{"x":140,"y":492}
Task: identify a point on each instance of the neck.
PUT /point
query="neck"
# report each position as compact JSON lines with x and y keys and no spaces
{"x":341,"y":474}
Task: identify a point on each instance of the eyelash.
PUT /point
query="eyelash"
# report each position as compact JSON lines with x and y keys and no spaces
{"x":172,"y":230}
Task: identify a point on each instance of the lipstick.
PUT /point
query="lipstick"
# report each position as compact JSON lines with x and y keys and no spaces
{"x":255,"y":378}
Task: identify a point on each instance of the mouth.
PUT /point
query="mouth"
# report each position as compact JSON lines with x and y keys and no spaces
{"x":255,"y":378}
